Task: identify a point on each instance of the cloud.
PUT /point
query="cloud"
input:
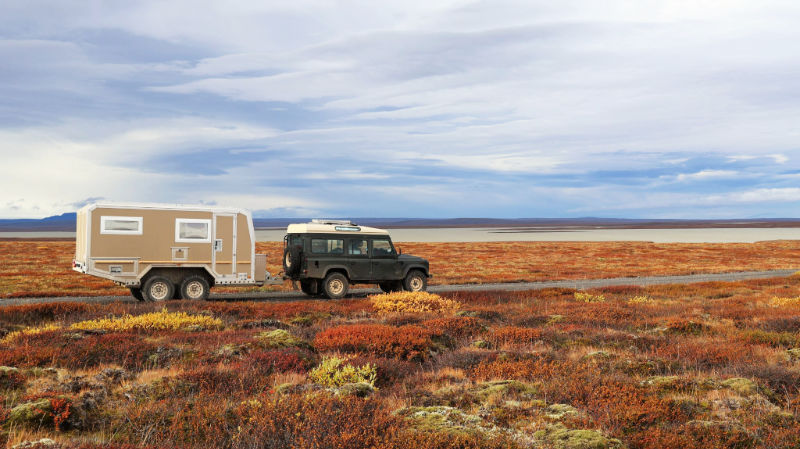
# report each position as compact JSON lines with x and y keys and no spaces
{"x":706,"y":174}
{"x":501,"y":108}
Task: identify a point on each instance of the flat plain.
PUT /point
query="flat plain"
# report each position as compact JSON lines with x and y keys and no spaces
{"x":710,"y":365}
{"x":36,"y":268}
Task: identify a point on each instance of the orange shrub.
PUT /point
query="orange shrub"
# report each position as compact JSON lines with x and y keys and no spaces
{"x":405,"y":342}
{"x":514,"y":336}
{"x":456,"y":327}
{"x":506,"y":369}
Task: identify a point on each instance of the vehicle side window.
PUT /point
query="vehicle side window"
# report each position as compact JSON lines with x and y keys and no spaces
{"x":382,"y":248}
{"x":357,"y":247}
{"x":327,"y":246}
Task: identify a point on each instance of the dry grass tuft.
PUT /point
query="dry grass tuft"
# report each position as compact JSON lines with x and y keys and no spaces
{"x":588,"y":297}
{"x":784,"y":302}
{"x":163,"y":320}
{"x":413,"y":302}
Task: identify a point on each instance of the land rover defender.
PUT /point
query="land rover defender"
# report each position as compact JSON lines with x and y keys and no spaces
{"x":327,"y":256}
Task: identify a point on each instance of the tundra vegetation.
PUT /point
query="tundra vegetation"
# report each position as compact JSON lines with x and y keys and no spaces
{"x":712,"y":365}
{"x":42,"y":268}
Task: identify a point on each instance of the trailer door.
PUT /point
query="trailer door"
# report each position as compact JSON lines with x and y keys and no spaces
{"x":224,"y":252}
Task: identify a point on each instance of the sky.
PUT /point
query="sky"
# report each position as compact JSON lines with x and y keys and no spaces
{"x":574,"y":108}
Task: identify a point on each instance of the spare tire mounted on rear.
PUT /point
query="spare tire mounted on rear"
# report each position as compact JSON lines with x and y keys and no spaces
{"x":292,"y":257}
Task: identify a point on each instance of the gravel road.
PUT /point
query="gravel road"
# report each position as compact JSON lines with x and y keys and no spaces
{"x":579,"y":284}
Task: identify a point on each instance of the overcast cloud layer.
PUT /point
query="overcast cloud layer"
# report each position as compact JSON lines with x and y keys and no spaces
{"x":679,"y":109}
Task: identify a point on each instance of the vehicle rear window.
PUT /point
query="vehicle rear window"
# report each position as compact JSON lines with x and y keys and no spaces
{"x":327,"y":246}
{"x":382,"y":248}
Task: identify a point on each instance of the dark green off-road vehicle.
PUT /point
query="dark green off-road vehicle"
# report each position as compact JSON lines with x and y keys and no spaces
{"x":327,"y":256}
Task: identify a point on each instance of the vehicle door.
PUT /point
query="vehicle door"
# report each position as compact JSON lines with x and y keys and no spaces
{"x":223,"y":259}
{"x":358,"y":258}
{"x":385,"y":265}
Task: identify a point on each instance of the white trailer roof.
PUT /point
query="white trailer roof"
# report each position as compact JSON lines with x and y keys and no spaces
{"x":332,"y":228}
{"x":166,"y":206}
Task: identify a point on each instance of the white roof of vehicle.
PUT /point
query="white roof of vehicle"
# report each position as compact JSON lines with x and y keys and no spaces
{"x":332,"y":227}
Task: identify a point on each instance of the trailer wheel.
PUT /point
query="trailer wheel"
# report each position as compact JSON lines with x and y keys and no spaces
{"x":415,"y":281}
{"x":391,"y":286}
{"x":158,"y":289}
{"x":291,"y":260}
{"x":136,"y":292}
{"x":310,"y":287}
{"x":335,"y":285}
{"x":195,"y":288}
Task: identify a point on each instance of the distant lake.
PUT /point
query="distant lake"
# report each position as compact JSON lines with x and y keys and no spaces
{"x":691,"y":235}
{"x":699,"y":235}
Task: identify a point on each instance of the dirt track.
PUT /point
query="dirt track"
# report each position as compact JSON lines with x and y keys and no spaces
{"x":517,"y":286}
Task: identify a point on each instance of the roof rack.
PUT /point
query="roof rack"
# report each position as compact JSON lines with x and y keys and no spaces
{"x":333,"y":222}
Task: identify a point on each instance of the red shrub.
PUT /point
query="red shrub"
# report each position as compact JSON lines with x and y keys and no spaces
{"x":128,"y":350}
{"x":389,"y":370}
{"x":706,"y":354}
{"x":281,"y":360}
{"x":405,"y":342}
{"x":455,"y":327}
{"x":34,"y":314}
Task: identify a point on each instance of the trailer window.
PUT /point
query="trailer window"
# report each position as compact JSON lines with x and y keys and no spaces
{"x":327,"y":246}
{"x":121,"y":225}
{"x":192,"y":230}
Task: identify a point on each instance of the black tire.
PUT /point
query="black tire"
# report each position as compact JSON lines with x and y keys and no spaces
{"x":390,"y":286}
{"x":310,"y":287}
{"x":195,"y":288}
{"x":158,"y":288}
{"x":136,"y":292}
{"x":415,"y":281}
{"x":292,"y":258}
{"x":335,"y":285}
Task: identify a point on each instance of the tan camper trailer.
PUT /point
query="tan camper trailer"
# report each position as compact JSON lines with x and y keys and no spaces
{"x":163,"y":251}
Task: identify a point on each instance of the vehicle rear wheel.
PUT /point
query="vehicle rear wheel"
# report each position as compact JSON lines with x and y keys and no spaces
{"x":136,"y":292}
{"x":310,"y":287}
{"x":391,"y":286}
{"x":335,"y":285}
{"x":158,"y":289}
{"x":195,"y":288}
{"x":415,"y":281}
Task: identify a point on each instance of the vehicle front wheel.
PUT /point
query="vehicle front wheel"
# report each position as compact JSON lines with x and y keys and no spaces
{"x":335,"y":285}
{"x":415,"y":281}
{"x":136,"y":292}
{"x":195,"y":288}
{"x":158,"y":289}
{"x":391,"y":286}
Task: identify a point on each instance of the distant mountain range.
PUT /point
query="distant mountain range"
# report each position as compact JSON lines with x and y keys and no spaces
{"x":66,"y":222}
